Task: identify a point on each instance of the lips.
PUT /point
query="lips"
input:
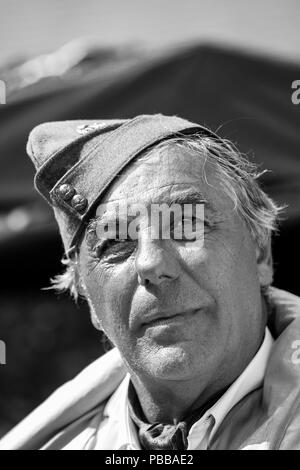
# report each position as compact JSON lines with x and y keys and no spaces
{"x":168,"y":315}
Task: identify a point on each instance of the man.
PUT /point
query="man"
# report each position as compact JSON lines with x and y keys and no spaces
{"x":206,"y":352}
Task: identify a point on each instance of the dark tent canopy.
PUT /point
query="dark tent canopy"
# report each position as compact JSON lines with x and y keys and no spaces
{"x":246,"y":98}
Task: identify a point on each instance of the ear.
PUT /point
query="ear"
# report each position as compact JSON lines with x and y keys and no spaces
{"x":95,"y":320}
{"x":94,"y":317}
{"x":81,"y":289}
{"x":265,"y":263}
{"x":77,"y":283}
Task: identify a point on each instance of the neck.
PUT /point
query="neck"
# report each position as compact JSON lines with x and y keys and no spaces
{"x":172,"y":403}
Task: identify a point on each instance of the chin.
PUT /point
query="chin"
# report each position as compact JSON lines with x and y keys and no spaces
{"x":174,"y":362}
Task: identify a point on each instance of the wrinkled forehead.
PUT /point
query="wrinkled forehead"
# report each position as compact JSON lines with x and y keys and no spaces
{"x":168,"y":174}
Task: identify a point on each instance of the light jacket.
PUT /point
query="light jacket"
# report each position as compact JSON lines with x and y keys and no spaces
{"x":266,"y":419}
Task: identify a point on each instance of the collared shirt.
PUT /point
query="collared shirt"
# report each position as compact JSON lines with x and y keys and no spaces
{"x":118,"y":432}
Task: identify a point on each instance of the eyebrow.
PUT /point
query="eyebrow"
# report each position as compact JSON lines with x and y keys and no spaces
{"x":189,"y":196}
{"x":186,"y":197}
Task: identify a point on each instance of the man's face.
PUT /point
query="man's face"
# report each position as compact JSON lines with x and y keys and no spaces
{"x":177,"y":309}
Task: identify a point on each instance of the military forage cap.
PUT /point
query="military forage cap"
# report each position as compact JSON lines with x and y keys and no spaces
{"x":76,"y":161}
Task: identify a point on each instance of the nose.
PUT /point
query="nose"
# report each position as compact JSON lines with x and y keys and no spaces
{"x":154,"y":264}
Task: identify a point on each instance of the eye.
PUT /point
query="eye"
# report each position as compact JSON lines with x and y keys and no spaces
{"x":114,"y":250}
{"x":188,"y":228}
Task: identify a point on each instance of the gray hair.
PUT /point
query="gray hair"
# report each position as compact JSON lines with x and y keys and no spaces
{"x":238,"y":178}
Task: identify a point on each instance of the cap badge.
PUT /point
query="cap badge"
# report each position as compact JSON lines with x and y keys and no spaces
{"x":87,"y":128}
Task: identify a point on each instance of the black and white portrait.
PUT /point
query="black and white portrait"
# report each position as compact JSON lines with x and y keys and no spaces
{"x":149,"y":227}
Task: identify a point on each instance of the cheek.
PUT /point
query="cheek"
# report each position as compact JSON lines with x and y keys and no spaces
{"x":226,"y":268}
{"x":111,"y":290}
{"x":232,"y":272}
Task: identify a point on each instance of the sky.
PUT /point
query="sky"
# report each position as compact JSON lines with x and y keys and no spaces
{"x":35,"y":26}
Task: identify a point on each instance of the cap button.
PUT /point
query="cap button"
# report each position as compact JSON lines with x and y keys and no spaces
{"x":79,"y":203}
{"x":66,"y":192}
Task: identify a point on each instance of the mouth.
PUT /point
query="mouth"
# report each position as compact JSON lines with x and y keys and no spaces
{"x":164,"y":318}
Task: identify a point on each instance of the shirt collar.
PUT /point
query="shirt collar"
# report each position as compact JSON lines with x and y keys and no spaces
{"x":251,"y":378}
{"x":116,"y":413}
{"x":117,"y":410}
